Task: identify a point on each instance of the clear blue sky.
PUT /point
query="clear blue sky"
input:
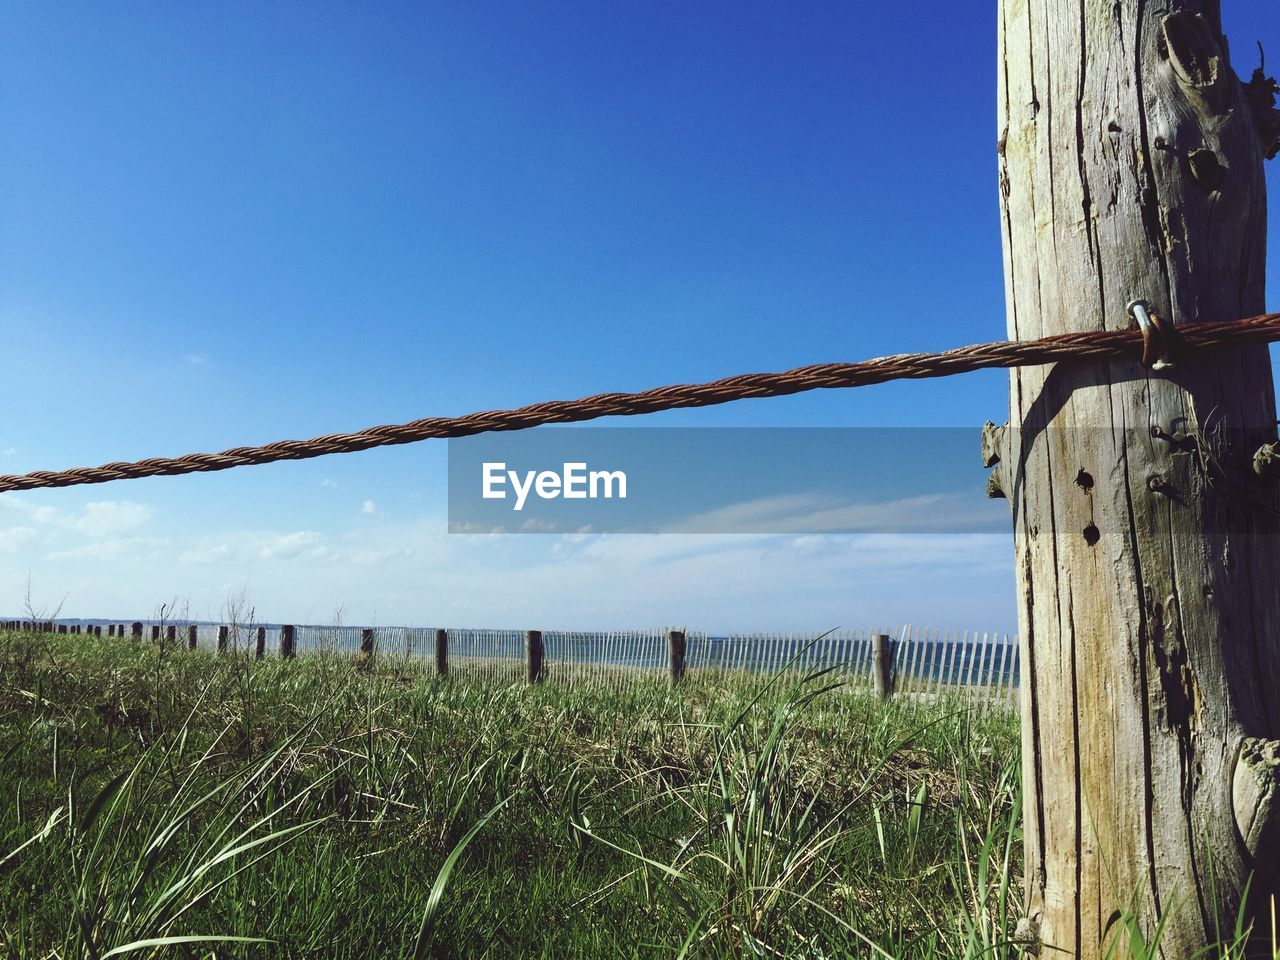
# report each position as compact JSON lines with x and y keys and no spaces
{"x":225,"y":224}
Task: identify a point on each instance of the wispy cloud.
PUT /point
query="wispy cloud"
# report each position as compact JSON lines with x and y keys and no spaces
{"x":289,"y":545}
{"x":207,"y":554}
{"x":195,"y":359}
{"x":819,"y":513}
{"x":369,"y":508}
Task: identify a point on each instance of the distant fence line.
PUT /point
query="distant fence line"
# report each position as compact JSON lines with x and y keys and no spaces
{"x":906,"y":660}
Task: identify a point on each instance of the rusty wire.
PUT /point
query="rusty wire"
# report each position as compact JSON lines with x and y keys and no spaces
{"x":1096,"y":345}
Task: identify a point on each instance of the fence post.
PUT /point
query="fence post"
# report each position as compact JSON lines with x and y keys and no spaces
{"x":111,"y":629}
{"x":155,"y":632}
{"x":62,"y":628}
{"x":366,"y":642}
{"x":881,"y":664}
{"x":677,"y":643}
{"x":442,"y":652}
{"x":136,"y":630}
{"x":261,"y":651}
{"x":222,"y":638}
{"x":287,"y":651}
{"x":191,"y":637}
{"x":171,"y":634}
{"x":533,"y":654}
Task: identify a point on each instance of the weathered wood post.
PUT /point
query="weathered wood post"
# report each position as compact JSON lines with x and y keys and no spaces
{"x":882,"y":664}
{"x":222,"y":638}
{"x":62,"y":628}
{"x":533,"y":654}
{"x":1147,"y":551}
{"x":111,"y":630}
{"x":260,"y":649}
{"x":136,"y":630}
{"x":442,"y":652}
{"x":676,"y":645}
{"x":192,"y":637}
{"x":287,"y":649}
{"x":366,"y":642}
{"x":171,"y":633}
{"x":155,"y":633}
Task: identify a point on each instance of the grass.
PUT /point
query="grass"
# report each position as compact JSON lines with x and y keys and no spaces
{"x":160,"y":802}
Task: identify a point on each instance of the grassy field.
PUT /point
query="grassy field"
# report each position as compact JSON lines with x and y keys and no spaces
{"x":332,"y":811}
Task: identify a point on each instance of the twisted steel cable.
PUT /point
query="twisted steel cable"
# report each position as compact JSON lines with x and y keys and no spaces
{"x":1090,"y":345}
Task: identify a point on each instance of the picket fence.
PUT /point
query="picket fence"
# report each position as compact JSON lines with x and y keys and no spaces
{"x":907,"y":660}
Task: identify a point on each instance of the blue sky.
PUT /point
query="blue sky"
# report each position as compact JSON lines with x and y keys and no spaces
{"x":230,"y":224}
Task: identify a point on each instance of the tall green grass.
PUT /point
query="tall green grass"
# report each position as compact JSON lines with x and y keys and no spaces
{"x":181,"y":804}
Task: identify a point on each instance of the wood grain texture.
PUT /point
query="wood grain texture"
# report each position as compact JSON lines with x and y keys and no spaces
{"x":1131,"y":166}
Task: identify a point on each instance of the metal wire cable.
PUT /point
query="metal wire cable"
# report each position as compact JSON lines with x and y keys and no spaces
{"x":1097,"y":345}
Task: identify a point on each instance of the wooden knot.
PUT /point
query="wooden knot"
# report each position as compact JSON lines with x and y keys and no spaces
{"x":1206,"y":168}
{"x":1255,"y":798}
{"x":1195,"y":55}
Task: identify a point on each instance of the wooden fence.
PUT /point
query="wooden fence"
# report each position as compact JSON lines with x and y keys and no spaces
{"x":903,"y":661}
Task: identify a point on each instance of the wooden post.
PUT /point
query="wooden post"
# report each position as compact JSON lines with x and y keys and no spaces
{"x":171,"y":633}
{"x":62,"y":628}
{"x":136,"y":630}
{"x":676,"y":645}
{"x":222,"y":638}
{"x":111,"y":630}
{"x":1146,"y":550}
{"x":287,"y":649}
{"x":442,"y":652}
{"x":882,"y":664}
{"x":192,"y":637}
{"x":533,"y":654}
{"x":261,"y":649}
{"x":155,"y":632}
{"x":366,"y":642}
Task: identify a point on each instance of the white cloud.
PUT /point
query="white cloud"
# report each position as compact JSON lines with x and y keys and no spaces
{"x":205,"y":555}
{"x":369,"y":508}
{"x":15,"y":537}
{"x":105,"y":517}
{"x":290,"y":545}
{"x":195,"y":359}
{"x":114,"y":548}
